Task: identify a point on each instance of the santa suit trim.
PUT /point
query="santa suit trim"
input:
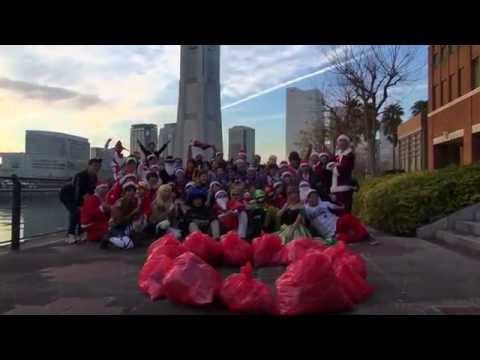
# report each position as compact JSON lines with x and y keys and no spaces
{"x":335,"y":187}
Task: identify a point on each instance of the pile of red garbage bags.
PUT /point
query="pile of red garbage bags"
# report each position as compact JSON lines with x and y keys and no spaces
{"x":318,"y":279}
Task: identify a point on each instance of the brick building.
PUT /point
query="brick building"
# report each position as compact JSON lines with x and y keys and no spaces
{"x":454,"y":105}
{"x":412,"y":143}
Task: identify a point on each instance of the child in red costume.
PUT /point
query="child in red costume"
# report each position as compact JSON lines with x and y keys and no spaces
{"x":230,"y":216}
{"x":95,"y":213}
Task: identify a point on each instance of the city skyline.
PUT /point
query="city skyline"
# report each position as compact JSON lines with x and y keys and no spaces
{"x":98,"y":92}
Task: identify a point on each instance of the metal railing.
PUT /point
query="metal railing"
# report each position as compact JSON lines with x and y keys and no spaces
{"x":15,"y":183}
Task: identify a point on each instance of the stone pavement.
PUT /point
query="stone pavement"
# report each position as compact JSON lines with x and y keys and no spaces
{"x":411,"y":276}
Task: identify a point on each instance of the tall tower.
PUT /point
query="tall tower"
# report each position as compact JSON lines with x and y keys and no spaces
{"x":199,"y":115}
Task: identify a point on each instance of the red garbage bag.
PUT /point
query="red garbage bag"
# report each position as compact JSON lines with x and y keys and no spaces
{"x":191,"y":281}
{"x":267,"y":250}
{"x":353,"y":284}
{"x":165,"y":240}
{"x":166,"y":245}
{"x":235,"y":250}
{"x":339,"y":255}
{"x":204,"y":246}
{"x":297,"y":248}
{"x":310,"y":286}
{"x":242,"y":293}
{"x":150,"y":279}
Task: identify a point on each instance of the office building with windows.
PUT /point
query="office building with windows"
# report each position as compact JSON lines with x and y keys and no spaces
{"x":145,"y":133}
{"x":167,"y":134}
{"x":241,"y":138}
{"x":453,"y":104}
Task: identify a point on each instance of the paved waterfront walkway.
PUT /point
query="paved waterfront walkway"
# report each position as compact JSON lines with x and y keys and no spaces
{"x":411,"y":276}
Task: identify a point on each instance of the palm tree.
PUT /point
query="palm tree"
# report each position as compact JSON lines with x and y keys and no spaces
{"x":419,"y":107}
{"x":391,"y":120}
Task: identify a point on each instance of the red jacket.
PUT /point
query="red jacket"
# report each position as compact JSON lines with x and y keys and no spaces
{"x":93,"y":218}
{"x":230,"y":221}
{"x":279,"y":200}
{"x":114,"y":193}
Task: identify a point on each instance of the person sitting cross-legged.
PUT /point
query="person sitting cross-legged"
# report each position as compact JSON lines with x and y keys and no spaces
{"x":324,"y":221}
{"x":198,"y":216}
{"x":125,"y":211}
{"x":230,"y":215}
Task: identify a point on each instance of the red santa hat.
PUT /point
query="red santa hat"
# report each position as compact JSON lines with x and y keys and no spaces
{"x":126,"y":177}
{"x":215,"y":183}
{"x":101,"y":185}
{"x":324,"y":154}
{"x":179,"y":170}
{"x":283,"y":164}
{"x":304,"y":164}
{"x":220,"y":193}
{"x":242,"y":154}
{"x":343,"y":137}
{"x":310,"y":192}
{"x":129,"y":184}
{"x":277,"y":184}
{"x":285,"y":174}
{"x":190,"y":184}
{"x":314,"y":154}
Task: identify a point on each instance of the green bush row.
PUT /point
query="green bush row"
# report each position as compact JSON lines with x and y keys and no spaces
{"x":399,"y":204}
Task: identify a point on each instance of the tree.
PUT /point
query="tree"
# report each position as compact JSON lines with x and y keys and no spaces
{"x":419,"y":107}
{"x":370,"y":73}
{"x":391,"y":120}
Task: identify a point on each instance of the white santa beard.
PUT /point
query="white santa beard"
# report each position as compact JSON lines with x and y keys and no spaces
{"x":222,"y":203}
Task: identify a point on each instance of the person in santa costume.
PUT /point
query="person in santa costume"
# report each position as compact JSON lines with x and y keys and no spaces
{"x":322,"y":177}
{"x":305,"y":171}
{"x":212,"y":190}
{"x":332,"y":223}
{"x":116,"y":191}
{"x":288,"y":178}
{"x":124,"y":213}
{"x":117,"y":159}
{"x":180,"y":183}
{"x":230,"y":215}
{"x":95,"y":213}
{"x":279,"y":197}
{"x":341,"y":169}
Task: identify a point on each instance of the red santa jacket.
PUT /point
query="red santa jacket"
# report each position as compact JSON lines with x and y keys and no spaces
{"x":342,"y":172}
{"x":230,"y":221}
{"x":93,"y":219}
{"x":147,"y":202}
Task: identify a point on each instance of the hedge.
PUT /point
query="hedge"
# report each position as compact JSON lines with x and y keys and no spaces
{"x":399,"y":204}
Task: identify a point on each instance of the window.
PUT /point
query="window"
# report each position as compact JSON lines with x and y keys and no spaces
{"x":435,"y":60}
{"x":460,"y":90}
{"x":476,"y":73}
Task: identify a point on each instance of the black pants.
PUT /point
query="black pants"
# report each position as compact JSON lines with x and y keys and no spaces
{"x":74,"y":227}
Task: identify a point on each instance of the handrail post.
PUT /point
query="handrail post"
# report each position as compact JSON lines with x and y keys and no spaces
{"x":16,"y":212}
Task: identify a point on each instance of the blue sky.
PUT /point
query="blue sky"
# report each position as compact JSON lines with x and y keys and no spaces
{"x":100,"y":91}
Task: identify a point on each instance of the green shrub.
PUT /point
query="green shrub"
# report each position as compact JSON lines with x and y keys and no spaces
{"x":399,"y":204}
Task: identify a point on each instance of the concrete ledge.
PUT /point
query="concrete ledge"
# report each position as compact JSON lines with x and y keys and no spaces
{"x":428,"y":232}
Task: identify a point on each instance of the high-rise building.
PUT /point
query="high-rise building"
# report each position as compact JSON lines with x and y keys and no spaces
{"x":241,"y":138}
{"x":167,"y":134}
{"x":145,"y":133}
{"x":453,"y":103}
{"x":304,"y":108}
{"x":199,"y":114}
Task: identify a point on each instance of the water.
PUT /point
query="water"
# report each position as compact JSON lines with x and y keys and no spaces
{"x":41,"y":213}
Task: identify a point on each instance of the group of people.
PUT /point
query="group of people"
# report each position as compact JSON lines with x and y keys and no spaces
{"x":151,"y":195}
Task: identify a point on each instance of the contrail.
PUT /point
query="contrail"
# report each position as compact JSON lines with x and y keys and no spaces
{"x":279,"y":86}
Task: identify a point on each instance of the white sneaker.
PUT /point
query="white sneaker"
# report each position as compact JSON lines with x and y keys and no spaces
{"x":70,"y":239}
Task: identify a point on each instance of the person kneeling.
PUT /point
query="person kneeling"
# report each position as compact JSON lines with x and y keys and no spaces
{"x":197,"y":217}
{"x":125,"y":211}
{"x":95,"y":213}
{"x":323,"y":220}
{"x":230,"y":215}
